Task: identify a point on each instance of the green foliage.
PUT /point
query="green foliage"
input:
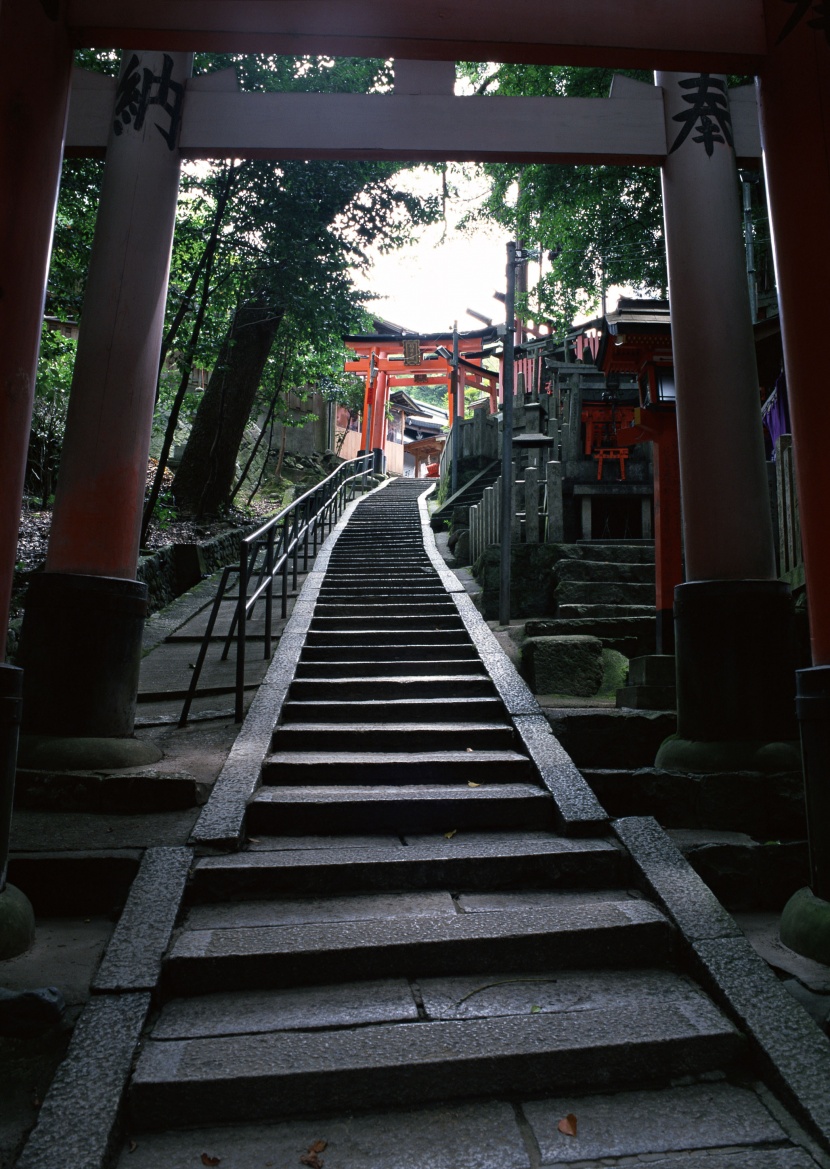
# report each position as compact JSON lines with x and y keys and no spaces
{"x":54,"y":380}
{"x":604,"y":223}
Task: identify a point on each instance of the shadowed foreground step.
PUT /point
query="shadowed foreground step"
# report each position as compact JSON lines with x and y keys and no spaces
{"x":271,"y":1075}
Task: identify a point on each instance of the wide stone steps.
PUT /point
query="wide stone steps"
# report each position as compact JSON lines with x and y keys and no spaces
{"x":604,"y":592}
{"x":403,"y":923}
{"x":378,"y":668}
{"x":249,"y":945}
{"x":268,"y":1075}
{"x":386,"y":736}
{"x":585,"y":569}
{"x":394,"y":687}
{"x":406,"y":650}
{"x":399,"y":808}
{"x":292,"y":866}
{"x":408,"y":766}
{"x":407,"y":710}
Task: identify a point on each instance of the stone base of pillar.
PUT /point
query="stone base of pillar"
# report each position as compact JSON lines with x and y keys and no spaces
{"x":805,"y":926}
{"x":66,"y":753}
{"x":17,"y":923}
{"x":734,"y":646}
{"x":80,"y":649}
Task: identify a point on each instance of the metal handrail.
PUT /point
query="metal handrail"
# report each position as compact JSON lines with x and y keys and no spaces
{"x":274,"y":550}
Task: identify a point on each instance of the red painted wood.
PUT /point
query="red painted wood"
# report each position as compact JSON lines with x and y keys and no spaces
{"x":34,"y":92}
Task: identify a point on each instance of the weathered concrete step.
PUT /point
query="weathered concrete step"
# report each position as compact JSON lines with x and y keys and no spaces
{"x":447,"y":766}
{"x":216,"y":953}
{"x":611,"y":738}
{"x":765,"y":806}
{"x":598,"y":570}
{"x":435,"y":664}
{"x":408,"y":710}
{"x":185,"y":1082}
{"x":604,"y":592}
{"x":395,"y":636}
{"x":454,"y":649}
{"x":467,"y":860}
{"x":414,"y":622}
{"x":386,"y":736}
{"x":393,"y":687}
{"x":349,"y":591}
{"x":400,"y":809}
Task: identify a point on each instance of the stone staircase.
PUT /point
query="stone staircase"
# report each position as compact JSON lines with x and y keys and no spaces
{"x":411,"y":931}
{"x":607,"y":591}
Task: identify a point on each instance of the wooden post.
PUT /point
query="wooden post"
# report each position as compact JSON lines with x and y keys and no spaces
{"x":531,"y":505}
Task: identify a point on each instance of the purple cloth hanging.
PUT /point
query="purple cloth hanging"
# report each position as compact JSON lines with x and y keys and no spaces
{"x":776,"y":411}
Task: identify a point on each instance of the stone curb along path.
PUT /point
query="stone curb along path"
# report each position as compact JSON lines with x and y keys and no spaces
{"x":405,"y":926}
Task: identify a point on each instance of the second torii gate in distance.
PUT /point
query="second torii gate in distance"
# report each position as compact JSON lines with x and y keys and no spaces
{"x":391,"y":361}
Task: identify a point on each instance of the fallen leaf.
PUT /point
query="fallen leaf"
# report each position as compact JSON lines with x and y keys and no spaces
{"x":449,"y":835}
{"x":133,"y":1145}
{"x":254,"y":840}
{"x":471,"y":784}
{"x":311,"y":1160}
{"x":208,"y":1160}
{"x":469,"y":750}
{"x":568,"y":1125}
{"x":535,"y":1009}
{"x":317,"y":1147}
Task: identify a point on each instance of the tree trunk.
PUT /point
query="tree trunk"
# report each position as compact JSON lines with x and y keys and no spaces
{"x":206,"y":473}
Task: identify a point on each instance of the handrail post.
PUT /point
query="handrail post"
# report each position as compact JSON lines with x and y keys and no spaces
{"x":241,"y":630}
{"x":269,"y":592}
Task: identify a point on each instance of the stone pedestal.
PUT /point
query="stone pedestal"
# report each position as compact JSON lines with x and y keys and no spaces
{"x":81,"y":644}
{"x":735,"y":679}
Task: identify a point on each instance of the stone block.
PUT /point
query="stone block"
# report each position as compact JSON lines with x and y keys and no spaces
{"x":563,"y":665}
{"x":652,"y":670}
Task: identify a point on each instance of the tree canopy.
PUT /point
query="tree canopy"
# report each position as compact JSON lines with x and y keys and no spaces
{"x":603,"y":225}
{"x":262,"y":248}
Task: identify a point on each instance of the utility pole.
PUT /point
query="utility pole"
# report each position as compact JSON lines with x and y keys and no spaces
{"x":507,"y":437}
{"x":456,"y":433}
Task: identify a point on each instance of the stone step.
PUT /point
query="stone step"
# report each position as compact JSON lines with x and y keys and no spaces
{"x":765,"y":806}
{"x":707,"y":1125}
{"x":437,"y":664}
{"x":394,"y":710}
{"x":386,"y":736}
{"x":480,"y":861}
{"x":603,"y":592}
{"x":588,"y":611}
{"x":746,"y":875}
{"x":640,"y":552}
{"x":394,"y":636}
{"x":602,"y":570}
{"x":252,"y":945}
{"x":267,"y":1075}
{"x":449,"y":619}
{"x":392,"y":688}
{"x":399,"y":809}
{"x":459,"y":650}
{"x":628,"y":635}
{"x":389,"y":767}
{"x":611,"y":738}
{"x":383,"y":609}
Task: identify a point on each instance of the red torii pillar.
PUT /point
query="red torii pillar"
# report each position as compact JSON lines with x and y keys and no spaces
{"x":34,"y":97}
{"x":794,"y":98}
{"x":81,"y":640}
{"x":733,"y":617}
